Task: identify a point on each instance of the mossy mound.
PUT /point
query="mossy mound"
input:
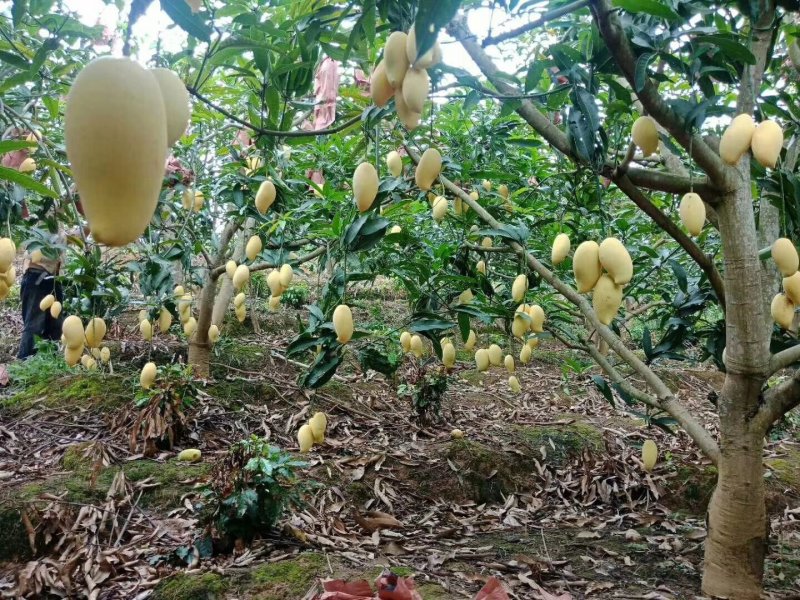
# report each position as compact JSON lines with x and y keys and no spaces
{"x":174,"y":479}
{"x":286,"y":579}
{"x":237,"y":353}
{"x":561,"y":442}
{"x":487,"y":474}
{"x":194,"y":586}
{"x":80,"y":390}
{"x":690,"y":488}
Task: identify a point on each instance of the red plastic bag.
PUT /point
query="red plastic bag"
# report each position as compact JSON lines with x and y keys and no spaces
{"x":336,"y":589}
{"x":493,"y":590}
{"x":392,"y":587}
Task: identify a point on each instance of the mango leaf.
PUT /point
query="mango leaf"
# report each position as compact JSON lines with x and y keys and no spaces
{"x":14,"y":60}
{"x":321,"y":370}
{"x":602,"y":385}
{"x":18,"y":10}
{"x":301,"y":344}
{"x":366,"y":231}
{"x":432,"y":15}
{"x":729,"y":46}
{"x":649,"y":7}
{"x":27,"y":182}
{"x":378,"y":359}
{"x":182,"y":15}
{"x":647,"y":344}
{"x":429,"y":324}
{"x":11,"y":145}
{"x":640,"y":71}
{"x":463,"y":325}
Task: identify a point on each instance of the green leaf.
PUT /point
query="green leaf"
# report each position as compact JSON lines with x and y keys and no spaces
{"x":51,"y":104}
{"x":366,"y":231}
{"x":378,"y":359}
{"x":426,"y":325}
{"x":432,"y":15}
{"x":535,"y":70}
{"x":27,"y":182}
{"x":321,"y":370}
{"x":602,"y":385}
{"x":11,"y":145}
{"x":640,"y":72}
{"x":181,"y":14}
{"x":463,"y":325}
{"x":647,"y":344}
{"x":729,"y":47}
{"x":18,"y":11}
{"x":649,"y":7}
{"x":14,"y":60}
{"x":525,"y":142}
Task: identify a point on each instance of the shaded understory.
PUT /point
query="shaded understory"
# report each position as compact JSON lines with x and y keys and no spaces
{"x":544,"y":487}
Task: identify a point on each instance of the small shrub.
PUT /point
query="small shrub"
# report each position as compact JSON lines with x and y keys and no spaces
{"x":425,"y":385}
{"x":250,"y":489}
{"x":296,"y":296}
{"x":162,"y":415}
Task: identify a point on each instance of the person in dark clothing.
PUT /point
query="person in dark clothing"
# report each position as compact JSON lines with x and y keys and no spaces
{"x":40,"y":278}
{"x":38,"y":282}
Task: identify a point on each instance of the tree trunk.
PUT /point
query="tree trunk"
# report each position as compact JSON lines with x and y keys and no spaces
{"x":200,"y":345}
{"x":738,"y":527}
{"x":226,"y":290}
{"x":737,"y":523}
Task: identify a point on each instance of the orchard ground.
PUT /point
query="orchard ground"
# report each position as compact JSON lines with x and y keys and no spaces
{"x":545,"y":490}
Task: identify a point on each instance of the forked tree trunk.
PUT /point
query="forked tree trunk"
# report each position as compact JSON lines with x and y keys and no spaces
{"x":738,"y":527}
{"x":200,"y":345}
{"x":225,"y":293}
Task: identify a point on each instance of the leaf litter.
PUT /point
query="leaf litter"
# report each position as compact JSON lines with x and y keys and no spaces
{"x":548,"y":523}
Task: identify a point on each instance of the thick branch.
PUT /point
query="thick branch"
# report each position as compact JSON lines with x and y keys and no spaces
{"x":649,"y":178}
{"x":663,"y":181}
{"x":778,"y":401}
{"x":627,"y":182}
{"x":666,"y":399}
{"x":548,"y":16}
{"x":617,"y":43}
{"x":272,"y":132}
{"x":616,"y":377}
{"x":783,"y":359}
{"x":227,"y":235}
{"x":266,"y":265}
{"x":665,"y":223}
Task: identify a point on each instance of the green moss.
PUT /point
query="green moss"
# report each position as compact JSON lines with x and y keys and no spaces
{"x":170,"y":476}
{"x":235,"y":393}
{"x":786,"y":470}
{"x":433,"y":591}
{"x":472,"y":376}
{"x":373,"y":574}
{"x":80,"y":390}
{"x":569,"y":440}
{"x":74,"y":458}
{"x":358,"y":492}
{"x":288,"y":578}
{"x":234,"y":352}
{"x":487,"y":473}
{"x":691,"y":488}
{"x":204,"y":586}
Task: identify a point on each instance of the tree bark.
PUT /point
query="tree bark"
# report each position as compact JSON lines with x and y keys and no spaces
{"x":226,"y":290}
{"x":200,"y":345}
{"x":738,"y":527}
